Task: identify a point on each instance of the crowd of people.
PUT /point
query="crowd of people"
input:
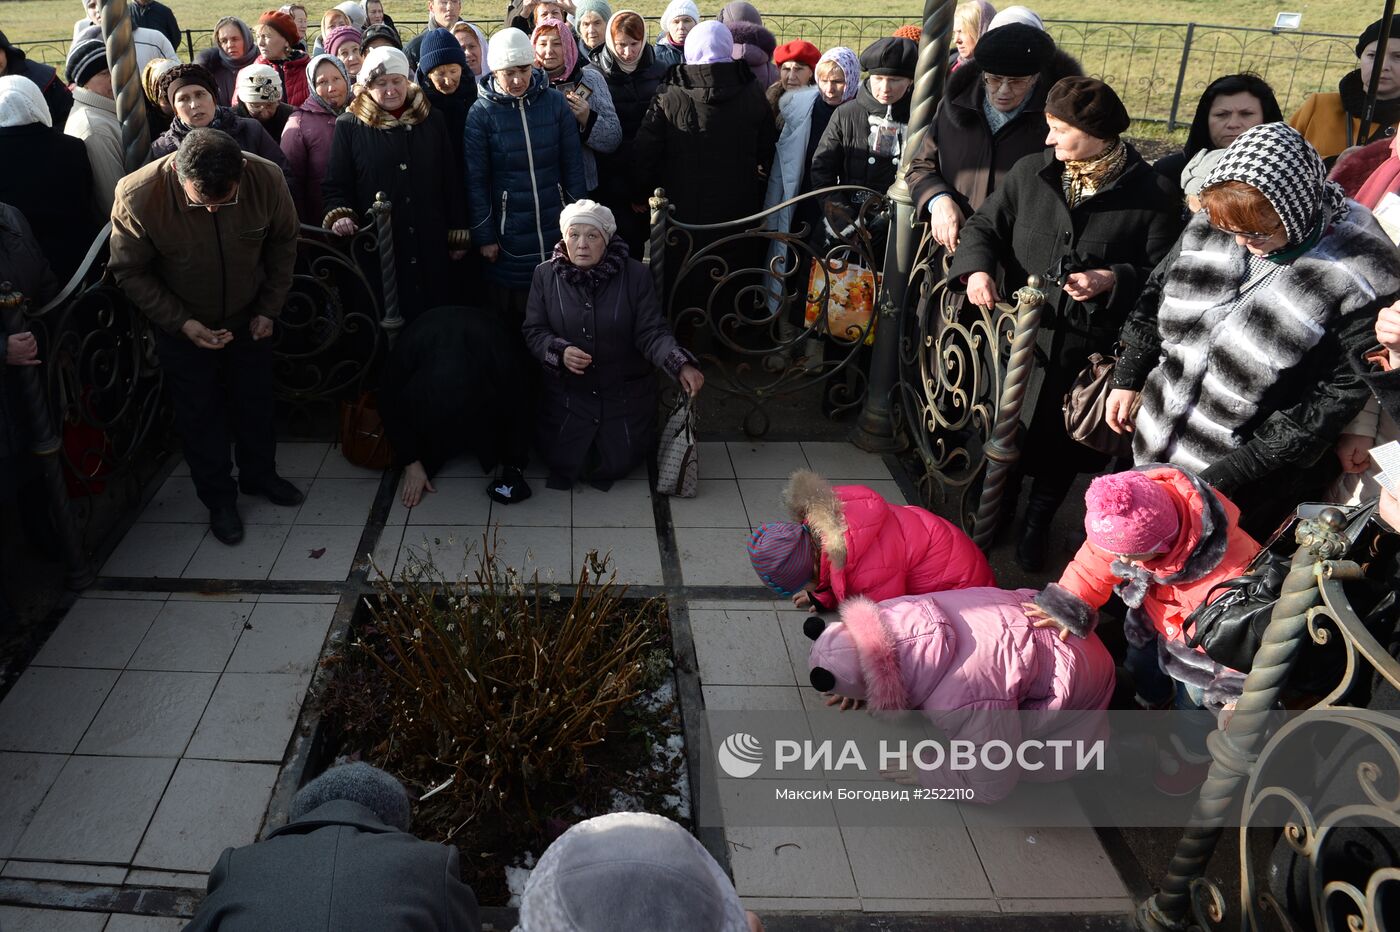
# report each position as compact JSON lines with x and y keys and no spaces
{"x":1247,"y":287}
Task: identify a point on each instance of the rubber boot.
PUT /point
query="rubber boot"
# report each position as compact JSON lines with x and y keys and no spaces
{"x":1035,"y":534}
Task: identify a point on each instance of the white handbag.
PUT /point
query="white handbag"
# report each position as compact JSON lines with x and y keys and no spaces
{"x":677,"y":459}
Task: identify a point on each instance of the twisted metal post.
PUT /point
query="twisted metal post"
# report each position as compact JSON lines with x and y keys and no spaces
{"x":47,"y":443}
{"x":875,"y":430}
{"x":126,"y":83}
{"x":657,"y":248}
{"x":392,"y":320}
{"x":1002,"y":452}
{"x":1235,"y":750}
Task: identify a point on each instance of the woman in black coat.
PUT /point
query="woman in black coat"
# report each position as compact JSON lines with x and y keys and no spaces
{"x":47,"y":176}
{"x":634,"y":75}
{"x":709,"y":136}
{"x":594,"y":324}
{"x":1228,"y":106}
{"x":1092,"y":219}
{"x":411,"y":160}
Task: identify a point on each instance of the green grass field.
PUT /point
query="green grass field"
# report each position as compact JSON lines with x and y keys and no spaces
{"x":48,"y":19}
{"x":1139,"y":59}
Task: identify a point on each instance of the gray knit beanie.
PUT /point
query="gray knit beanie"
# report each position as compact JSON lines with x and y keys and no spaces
{"x":359,"y":783}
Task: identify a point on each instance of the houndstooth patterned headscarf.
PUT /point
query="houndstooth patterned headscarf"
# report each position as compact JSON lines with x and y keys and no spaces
{"x":1275,"y":160}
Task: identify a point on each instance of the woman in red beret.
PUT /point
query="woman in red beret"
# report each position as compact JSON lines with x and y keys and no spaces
{"x":277,"y":37}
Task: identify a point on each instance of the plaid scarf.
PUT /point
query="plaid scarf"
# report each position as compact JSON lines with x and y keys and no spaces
{"x":1083,"y":179}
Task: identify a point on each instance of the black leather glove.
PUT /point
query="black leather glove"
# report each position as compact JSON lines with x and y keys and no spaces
{"x":1235,"y":471}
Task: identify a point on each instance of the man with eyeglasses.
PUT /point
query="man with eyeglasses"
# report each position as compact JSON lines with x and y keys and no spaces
{"x":204,"y":242}
{"x":992,"y":116}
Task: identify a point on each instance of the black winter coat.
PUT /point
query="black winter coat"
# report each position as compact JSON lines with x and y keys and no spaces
{"x":453,"y":107}
{"x":274,"y":126}
{"x":708,"y":139}
{"x":632,"y":95}
{"x":959,"y":156}
{"x":454,"y":385}
{"x":337,"y":867}
{"x":1026,"y":228}
{"x":156,"y":15}
{"x":843,"y":156}
{"x":40,"y":162}
{"x":613,"y":404}
{"x":24,"y":267}
{"x":250,"y":135}
{"x":412,"y":161}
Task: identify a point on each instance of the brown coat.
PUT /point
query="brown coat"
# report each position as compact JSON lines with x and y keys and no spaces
{"x":178,"y":262}
{"x":959,"y":156}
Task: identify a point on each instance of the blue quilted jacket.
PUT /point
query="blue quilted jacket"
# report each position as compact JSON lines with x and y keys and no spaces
{"x":524,"y":162}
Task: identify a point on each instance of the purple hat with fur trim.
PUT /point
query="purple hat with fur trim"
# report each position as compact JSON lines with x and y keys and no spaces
{"x":781,"y":553}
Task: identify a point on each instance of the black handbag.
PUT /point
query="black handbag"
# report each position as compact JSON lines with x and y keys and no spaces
{"x":1229,"y":625}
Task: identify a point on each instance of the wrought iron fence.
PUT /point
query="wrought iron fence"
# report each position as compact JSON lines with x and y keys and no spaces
{"x":964,"y":376}
{"x":1158,"y":68}
{"x":97,"y":408}
{"x":760,"y":302}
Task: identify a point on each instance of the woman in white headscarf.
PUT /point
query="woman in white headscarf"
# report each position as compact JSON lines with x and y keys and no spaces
{"x":47,"y":176}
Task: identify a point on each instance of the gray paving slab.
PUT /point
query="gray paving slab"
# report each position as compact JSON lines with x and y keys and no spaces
{"x":282,"y":637}
{"x":319,"y":553}
{"x":844,"y":462}
{"x":632,"y":552}
{"x":125,"y":922}
{"x":626,"y":505}
{"x":193,"y":635}
{"x":99,"y":632}
{"x":740,"y":649}
{"x":97,"y":810}
{"x":299,"y":460}
{"x":67,"y":873}
{"x":24,"y":780}
{"x":455,"y":501}
{"x":762,"y":460}
{"x":149,"y":714}
{"x":251,"y":558}
{"x":49,"y":708}
{"x":338,"y":501}
{"x":24,"y":919}
{"x":715,"y":557}
{"x":208,"y":806}
{"x":155,"y":549}
{"x":250,"y":717}
{"x":717,"y":503}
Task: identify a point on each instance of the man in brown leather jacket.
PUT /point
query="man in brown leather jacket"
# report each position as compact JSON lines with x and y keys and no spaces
{"x":204,"y":242}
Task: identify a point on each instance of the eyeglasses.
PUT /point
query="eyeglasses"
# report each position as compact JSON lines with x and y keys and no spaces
{"x":994,"y":81}
{"x":1251,"y":237}
{"x":205,"y":205}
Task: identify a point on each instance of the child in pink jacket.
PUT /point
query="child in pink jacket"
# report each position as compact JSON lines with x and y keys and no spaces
{"x":1161,"y":538}
{"x":970,"y":660}
{"x":848,"y":541}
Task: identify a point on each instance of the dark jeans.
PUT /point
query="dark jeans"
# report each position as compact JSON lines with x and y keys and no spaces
{"x":222,"y":396}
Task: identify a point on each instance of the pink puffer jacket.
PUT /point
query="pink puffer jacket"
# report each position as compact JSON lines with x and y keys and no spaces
{"x":878,"y":550}
{"x":969,"y":659}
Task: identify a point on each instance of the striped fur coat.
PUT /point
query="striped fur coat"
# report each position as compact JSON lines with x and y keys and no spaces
{"x":1267,"y":368}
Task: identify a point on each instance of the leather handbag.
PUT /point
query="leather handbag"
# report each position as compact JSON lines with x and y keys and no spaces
{"x":1230,"y":624}
{"x":362,"y":437}
{"x":1085,"y":408}
{"x":677,"y":460}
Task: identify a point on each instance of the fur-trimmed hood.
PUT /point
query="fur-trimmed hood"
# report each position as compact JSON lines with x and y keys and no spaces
{"x":812,"y":501}
{"x":415,"y":111}
{"x":861,"y":657}
{"x":877,"y":548}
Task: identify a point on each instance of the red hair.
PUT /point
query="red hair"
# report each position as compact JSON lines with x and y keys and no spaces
{"x":630,"y":25}
{"x":1234,"y":205}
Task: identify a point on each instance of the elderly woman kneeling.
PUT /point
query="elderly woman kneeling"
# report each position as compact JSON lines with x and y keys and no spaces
{"x":594,"y":322}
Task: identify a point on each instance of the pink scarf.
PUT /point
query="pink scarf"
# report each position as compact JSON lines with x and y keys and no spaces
{"x":1384,"y":180}
{"x":566,"y":39}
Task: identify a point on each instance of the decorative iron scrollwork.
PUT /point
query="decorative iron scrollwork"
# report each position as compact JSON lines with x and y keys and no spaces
{"x":751,"y":300}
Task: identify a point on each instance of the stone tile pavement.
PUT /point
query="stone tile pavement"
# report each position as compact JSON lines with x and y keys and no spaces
{"x":149,"y":731}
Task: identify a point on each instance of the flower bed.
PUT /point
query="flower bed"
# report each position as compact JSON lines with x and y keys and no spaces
{"x":510,"y":708}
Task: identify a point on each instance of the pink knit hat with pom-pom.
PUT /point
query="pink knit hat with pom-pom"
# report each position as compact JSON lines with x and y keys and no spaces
{"x":1128,"y":513}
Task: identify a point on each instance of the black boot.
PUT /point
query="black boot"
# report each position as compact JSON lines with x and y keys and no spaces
{"x":1035,"y":534}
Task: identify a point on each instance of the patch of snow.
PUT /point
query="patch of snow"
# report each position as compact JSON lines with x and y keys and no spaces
{"x":517,"y":878}
{"x":624,"y":802}
{"x":661,"y":696}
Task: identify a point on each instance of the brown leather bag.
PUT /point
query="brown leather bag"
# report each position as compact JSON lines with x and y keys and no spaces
{"x":362,"y":438}
{"x":1085,"y":408}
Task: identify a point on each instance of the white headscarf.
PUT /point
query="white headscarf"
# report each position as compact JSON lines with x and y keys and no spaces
{"x":1016,"y":14}
{"x":383,"y":59}
{"x":22,"y":103}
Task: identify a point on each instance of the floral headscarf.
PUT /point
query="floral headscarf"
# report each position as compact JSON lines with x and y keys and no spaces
{"x":849,"y":63}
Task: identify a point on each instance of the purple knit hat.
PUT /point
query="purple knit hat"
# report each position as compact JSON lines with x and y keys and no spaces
{"x":781,"y":553}
{"x":1128,"y":513}
{"x":340,"y":35}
